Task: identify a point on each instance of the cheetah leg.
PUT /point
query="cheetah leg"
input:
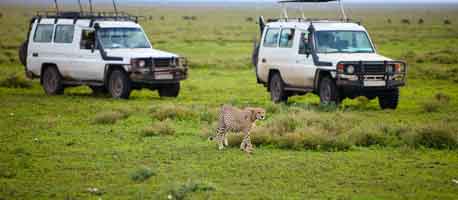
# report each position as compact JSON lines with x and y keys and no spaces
{"x":246,"y":143}
{"x":220,"y":136}
{"x":226,"y":143}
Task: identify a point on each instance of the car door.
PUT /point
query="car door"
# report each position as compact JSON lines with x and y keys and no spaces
{"x":89,"y":65}
{"x":286,"y":57}
{"x":64,"y":51}
{"x":268,"y":53}
{"x":303,"y":66}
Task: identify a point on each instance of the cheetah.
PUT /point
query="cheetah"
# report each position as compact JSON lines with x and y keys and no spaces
{"x":232,"y":119}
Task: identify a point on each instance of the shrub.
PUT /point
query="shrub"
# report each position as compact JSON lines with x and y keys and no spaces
{"x":162,"y":128}
{"x":15,"y":81}
{"x":249,"y":19}
{"x":431,"y":106}
{"x":162,"y":18}
{"x":447,"y":22}
{"x":421,"y":21}
{"x":172,"y":112}
{"x":389,"y":21}
{"x":181,"y":190}
{"x":111,"y":117}
{"x":141,"y":174}
{"x":436,"y":136}
{"x":366,"y":136}
{"x":405,"y":21}
{"x":442,"y":98}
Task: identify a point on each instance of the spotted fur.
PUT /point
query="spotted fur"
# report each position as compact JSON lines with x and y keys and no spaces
{"x":232,"y":119}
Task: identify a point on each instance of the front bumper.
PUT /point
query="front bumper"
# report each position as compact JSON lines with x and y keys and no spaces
{"x":164,"y":75}
{"x":366,"y":78}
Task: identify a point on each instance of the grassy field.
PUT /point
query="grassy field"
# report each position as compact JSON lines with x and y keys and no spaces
{"x":81,"y":146}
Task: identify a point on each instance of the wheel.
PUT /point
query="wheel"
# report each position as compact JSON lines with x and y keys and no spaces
{"x":389,"y":100}
{"x":277,"y":89}
{"x":328,"y":91}
{"x":23,"y":53}
{"x":119,"y":84}
{"x":98,"y":90}
{"x":170,"y":90}
{"x":52,"y":81}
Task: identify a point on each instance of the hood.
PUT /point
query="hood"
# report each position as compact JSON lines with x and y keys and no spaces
{"x":139,"y":53}
{"x":338,"y":57}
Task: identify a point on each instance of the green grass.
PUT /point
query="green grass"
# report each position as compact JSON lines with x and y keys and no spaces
{"x":56,"y":147}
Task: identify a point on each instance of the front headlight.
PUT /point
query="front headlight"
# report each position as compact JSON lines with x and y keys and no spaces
{"x":399,"y":68}
{"x":139,"y":63}
{"x":350,"y":69}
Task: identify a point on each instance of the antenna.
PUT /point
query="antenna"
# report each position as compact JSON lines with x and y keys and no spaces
{"x":57,"y":6}
{"x":115,"y":8}
{"x":81,"y":7}
{"x":90,"y":6}
{"x":342,"y":10}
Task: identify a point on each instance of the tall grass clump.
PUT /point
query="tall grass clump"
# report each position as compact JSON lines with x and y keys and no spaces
{"x":170,"y":111}
{"x":181,"y":191}
{"x":437,"y":136}
{"x":141,"y":174}
{"x":111,"y":116}
{"x":160,"y":128}
{"x":15,"y":81}
{"x":439,"y":101}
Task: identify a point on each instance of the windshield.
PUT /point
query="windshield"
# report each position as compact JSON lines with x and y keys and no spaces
{"x":113,"y":38}
{"x":343,"y":42}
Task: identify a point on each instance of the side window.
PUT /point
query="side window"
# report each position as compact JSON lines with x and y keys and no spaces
{"x":286,"y":38}
{"x":303,"y":43}
{"x":43,"y":33}
{"x":87,"y":39}
{"x":64,"y":34}
{"x":271,"y":38}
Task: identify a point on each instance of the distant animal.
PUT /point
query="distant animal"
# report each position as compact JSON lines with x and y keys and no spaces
{"x":447,"y":22}
{"x":232,"y":119}
{"x":421,"y":21}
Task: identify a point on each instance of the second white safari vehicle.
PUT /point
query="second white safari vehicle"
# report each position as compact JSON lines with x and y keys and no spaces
{"x":335,"y":59}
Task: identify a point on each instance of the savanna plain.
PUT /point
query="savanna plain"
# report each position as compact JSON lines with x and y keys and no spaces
{"x":82,"y":146}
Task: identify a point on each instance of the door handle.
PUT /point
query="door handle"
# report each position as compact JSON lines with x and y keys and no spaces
{"x":263,"y":60}
{"x":35,"y":54}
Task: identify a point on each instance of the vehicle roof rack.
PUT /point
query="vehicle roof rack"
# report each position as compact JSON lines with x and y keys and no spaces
{"x":99,"y":16}
{"x":285,"y":10}
{"x":313,"y":20}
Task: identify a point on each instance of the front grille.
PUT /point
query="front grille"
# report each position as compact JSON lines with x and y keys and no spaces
{"x":373,"y":69}
{"x":162,"y":62}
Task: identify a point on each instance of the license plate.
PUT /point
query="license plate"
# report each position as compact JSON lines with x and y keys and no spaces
{"x":374,"y":83}
{"x":164,"y":76}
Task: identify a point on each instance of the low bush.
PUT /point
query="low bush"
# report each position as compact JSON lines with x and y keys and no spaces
{"x":111,"y":117}
{"x":405,"y":21}
{"x":141,"y":174}
{"x":431,"y":106}
{"x":447,"y":22}
{"x":438,"y":136}
{"x":180,"y":191}
{"x":421,"y":21}
{"x":15,"y":81}
{"x":172,"y":112}
{"x":161,"y":128}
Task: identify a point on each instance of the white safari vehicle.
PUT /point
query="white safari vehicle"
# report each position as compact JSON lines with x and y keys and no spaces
{"x":109,"y":52}
{"x":335,"y":59}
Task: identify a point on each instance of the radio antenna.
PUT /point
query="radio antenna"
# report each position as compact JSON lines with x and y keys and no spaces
{"x":81,"y":7}
{"x":90,"y":6}
{"x":115,"y":8}
{"x":57,"y":7}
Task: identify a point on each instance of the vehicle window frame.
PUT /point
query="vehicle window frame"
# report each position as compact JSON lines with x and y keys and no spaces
{"x":293,"y":31}
{"x":366,"y":34}
{"x":82,"y":36}
{"x":302,"y":36}
{"x":265,"y":38}
{"x":37,"y":29}
{"x":55,"y":33}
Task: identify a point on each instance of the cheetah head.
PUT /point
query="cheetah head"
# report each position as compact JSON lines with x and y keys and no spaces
{"x":257,"y":113}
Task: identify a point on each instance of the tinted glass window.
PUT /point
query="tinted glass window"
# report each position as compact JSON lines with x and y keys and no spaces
{"x":303,"y":43}
{"x":271,"y":37}
{"x":43,"y":33}
{"x":64,"y":34}
{"x":87,"y":39}
{"x":286,"y":38}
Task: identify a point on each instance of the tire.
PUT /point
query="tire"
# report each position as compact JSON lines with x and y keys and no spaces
{"x":52,"y":81}
{"x":169,"y":90}
{"x":328,"y":91}
{"x":119,"y":85}
{"x":98,"y":90}
{"x":277,"y":89}
{"x":23,"y":53}
{"x":389,"y":100}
